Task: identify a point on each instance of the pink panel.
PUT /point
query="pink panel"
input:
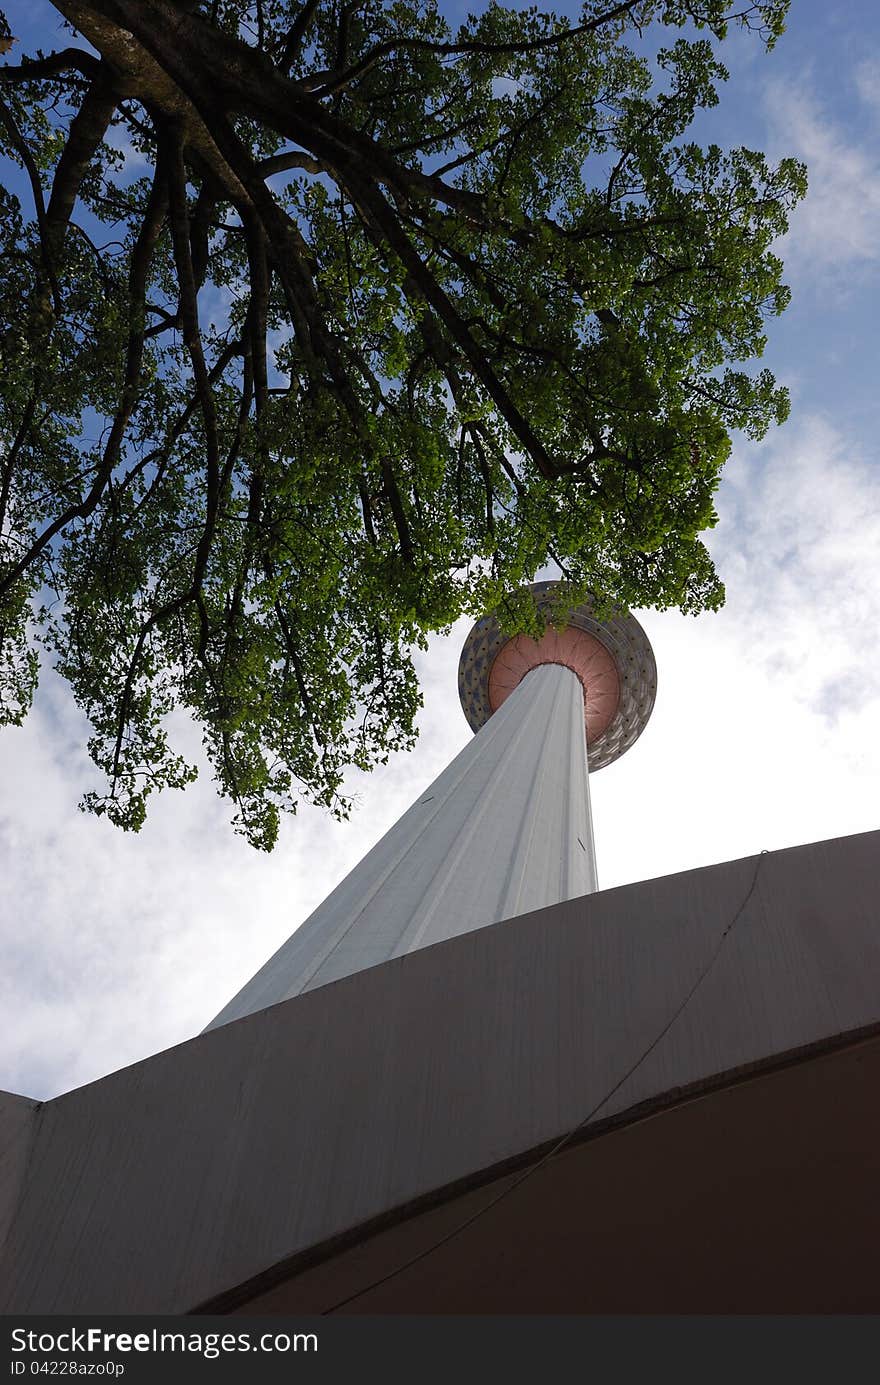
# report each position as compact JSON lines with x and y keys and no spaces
{"x":575,"y":649}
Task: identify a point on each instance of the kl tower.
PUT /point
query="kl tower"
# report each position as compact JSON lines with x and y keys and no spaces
{"x":506,"y":828}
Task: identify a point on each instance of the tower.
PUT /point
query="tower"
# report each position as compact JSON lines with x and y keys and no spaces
{"x":506,"y":828}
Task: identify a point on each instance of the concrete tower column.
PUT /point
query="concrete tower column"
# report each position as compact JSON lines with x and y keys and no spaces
{"x":505,"y":829}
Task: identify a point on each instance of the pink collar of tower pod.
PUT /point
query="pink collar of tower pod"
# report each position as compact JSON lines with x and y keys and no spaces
{"x":574,"y":649}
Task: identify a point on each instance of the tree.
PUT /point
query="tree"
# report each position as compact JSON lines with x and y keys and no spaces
{"x":322,"y":324}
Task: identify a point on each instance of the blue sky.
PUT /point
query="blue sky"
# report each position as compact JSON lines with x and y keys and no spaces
{"x":766,"y":731}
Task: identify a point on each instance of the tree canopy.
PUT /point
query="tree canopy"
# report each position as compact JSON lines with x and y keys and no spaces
{"x":324,"y":323}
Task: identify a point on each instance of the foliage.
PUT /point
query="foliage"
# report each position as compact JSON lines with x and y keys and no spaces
{"x":322,"y":324}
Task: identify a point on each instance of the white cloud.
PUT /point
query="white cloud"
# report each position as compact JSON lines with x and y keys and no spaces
{"x":800,"y":552}
{"x":836,"y":226}
{"x":134,"y":161}
{"x":867,"y":79}
{"x":767,"y":726}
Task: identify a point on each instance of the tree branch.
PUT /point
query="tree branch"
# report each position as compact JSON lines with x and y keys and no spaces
{"x":334,"y":82}
{"x":385,"y":229}
{"x":19,"y":143}
{"x":12,"y":456}
{"x":138,"y":272}
{"x":189,"y":314}
{"x":87,"y":129}
{"x":38,"y":69}
{"x":296,"y":34}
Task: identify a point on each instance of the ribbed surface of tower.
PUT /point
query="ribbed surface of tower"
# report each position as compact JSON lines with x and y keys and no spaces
{"x":506,"y":828}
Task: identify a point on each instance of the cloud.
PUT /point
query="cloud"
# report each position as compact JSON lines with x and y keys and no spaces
{"x":134,"y":161}
{"x":867,"y":79}
{"x":799,"y":553}
{"x":766,"y":731}
{"x":836,"y":226}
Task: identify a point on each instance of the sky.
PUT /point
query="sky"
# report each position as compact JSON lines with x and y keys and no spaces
{"x":766,"y":730}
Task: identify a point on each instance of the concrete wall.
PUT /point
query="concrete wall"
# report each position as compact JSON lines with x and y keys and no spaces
{"x":759,"y":1196}
{"x":18,"y":1120}
{"x":173,"y":1181}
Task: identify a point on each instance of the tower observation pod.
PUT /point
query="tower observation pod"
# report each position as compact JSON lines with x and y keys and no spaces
{"x":506,"y":828}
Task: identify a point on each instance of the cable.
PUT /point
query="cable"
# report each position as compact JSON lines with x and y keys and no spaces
{"x":571,"y":1134}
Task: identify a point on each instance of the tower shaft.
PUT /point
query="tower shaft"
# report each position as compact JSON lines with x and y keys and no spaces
{"x":506,"y":828}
